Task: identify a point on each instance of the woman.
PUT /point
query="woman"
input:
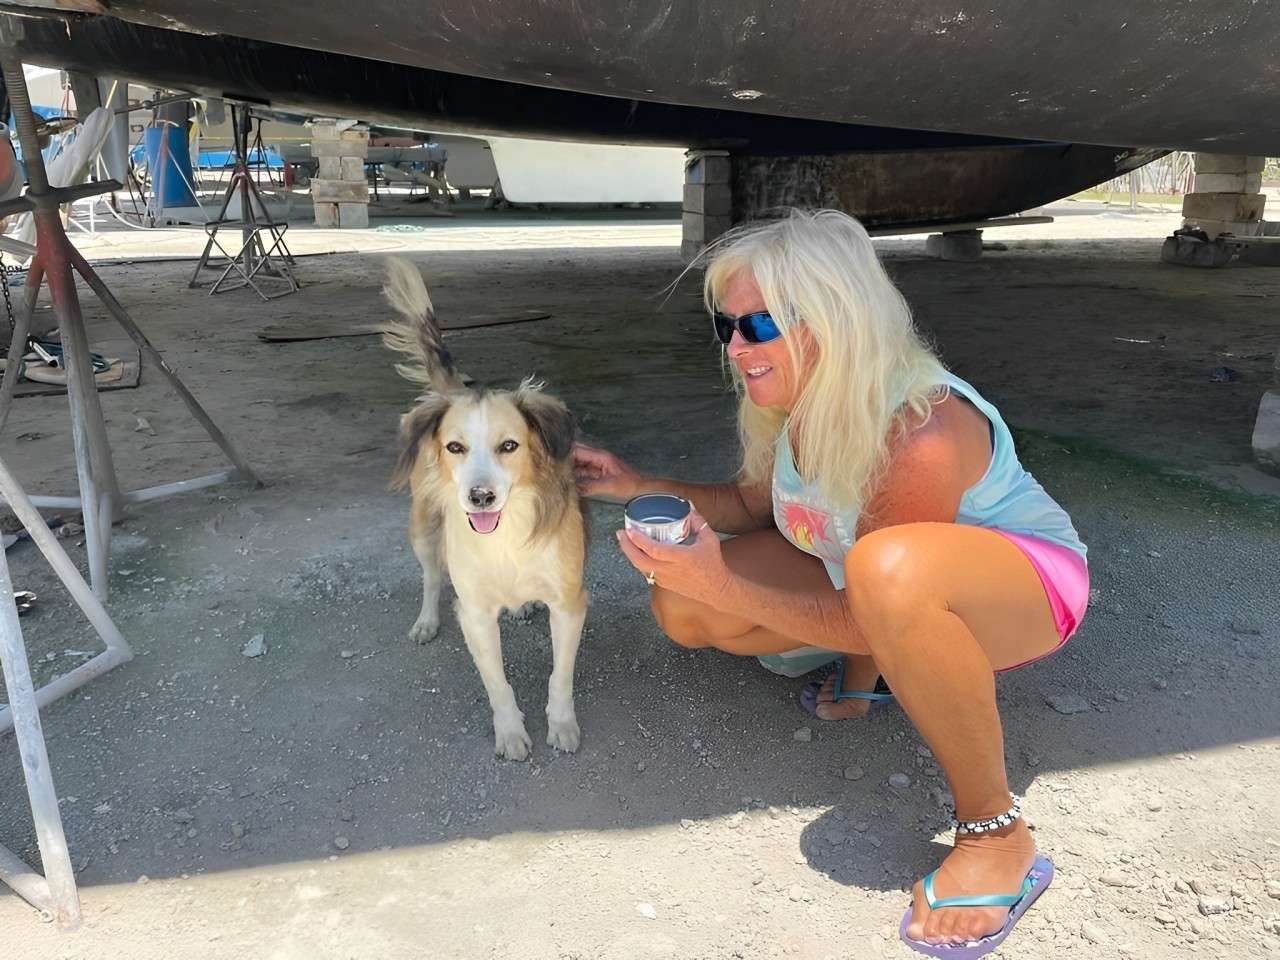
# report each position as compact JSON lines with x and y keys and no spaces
{"x":880,"y":519}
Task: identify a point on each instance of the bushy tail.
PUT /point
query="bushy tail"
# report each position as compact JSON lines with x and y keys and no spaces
{"x":414,"y":333}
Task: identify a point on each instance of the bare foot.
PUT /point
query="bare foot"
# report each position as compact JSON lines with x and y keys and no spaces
{"x":981,"y":863}
{"x":860,"y":673}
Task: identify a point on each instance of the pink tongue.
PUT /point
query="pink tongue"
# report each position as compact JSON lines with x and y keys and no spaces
{"x":484,"y":522}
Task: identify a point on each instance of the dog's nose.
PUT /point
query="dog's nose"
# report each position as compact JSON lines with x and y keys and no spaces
{"x":481,"y":497}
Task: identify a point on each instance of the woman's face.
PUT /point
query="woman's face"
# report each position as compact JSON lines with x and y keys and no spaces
{"x":766,"y":368}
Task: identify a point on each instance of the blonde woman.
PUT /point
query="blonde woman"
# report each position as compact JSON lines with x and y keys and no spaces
{"x":881,"y":520}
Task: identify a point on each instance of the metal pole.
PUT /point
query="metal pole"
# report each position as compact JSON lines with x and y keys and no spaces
{"x":63,"y":901}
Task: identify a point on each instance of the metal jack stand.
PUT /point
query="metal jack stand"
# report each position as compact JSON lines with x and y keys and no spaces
{"x":53,"y":894}
{"x":257,"y":260}
{"x":58,"y":261}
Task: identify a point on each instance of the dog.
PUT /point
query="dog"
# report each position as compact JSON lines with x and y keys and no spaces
{"x":494,"y":503}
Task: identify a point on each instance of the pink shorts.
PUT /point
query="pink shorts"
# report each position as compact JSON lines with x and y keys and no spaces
{"x":1065,"y":577}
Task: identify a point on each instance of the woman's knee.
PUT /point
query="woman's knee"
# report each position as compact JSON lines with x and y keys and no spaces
{"x":889,"y":579}
{"x":679,"y":618}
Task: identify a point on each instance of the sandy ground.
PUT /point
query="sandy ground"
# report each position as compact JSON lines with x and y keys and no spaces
{"x":337,"y":797}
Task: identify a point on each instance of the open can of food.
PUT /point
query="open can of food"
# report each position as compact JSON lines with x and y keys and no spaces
{"x":663,"y":517}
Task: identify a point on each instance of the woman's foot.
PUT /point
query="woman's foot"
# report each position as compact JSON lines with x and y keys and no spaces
{"x":860,"y":673}
{"x":980,"y":863}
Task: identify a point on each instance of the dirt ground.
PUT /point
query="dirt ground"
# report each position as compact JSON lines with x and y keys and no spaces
{"x":337,"y":796}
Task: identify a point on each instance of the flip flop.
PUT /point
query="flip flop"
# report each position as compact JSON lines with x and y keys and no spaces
{"x":811,"y":690}
{"x":1037,"y":880}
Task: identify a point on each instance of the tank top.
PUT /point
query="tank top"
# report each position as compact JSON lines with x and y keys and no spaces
{"x":1006,"y":497}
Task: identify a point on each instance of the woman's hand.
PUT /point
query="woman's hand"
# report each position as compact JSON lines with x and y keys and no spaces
{"x":600,"y":474}
{"x":694,"y":569}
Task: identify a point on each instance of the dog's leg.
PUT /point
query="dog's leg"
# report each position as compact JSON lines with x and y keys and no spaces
{"x":425,"y":536}
{"x":566,"y":633}
{"x":480,"y":627}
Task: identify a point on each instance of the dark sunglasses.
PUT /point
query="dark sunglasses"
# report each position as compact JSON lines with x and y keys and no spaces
{"x":754,"y":327}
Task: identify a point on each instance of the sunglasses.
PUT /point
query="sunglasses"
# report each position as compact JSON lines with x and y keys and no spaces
{"x":755,"y":327}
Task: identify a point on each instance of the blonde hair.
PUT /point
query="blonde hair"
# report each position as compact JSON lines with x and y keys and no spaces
{"x":872,"y":371}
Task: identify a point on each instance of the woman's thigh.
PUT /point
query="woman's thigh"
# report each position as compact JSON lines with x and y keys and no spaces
{"x":764,"y":557}
{"x":974,"y":573}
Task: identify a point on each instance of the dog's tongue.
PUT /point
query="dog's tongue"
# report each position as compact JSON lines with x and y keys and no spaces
{"x":484,"y":522}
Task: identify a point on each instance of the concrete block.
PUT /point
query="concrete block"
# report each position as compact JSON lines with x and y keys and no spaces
{"x":353,"y":215}
{"x":326,"y":214}
{"x":329,"y":168}
{"x":1190,"y":252}
{"x":1228,"y":163}
{"x":339,"y":191}
{"x":1262,"y":255}
{"x":352,"y":169}
{"x":1228,"y":183}
{"x":959,"y":245}
{"x":1223,"y":206}
{"x":1216,"y":228}
{"x":708,"y":167}
{"x":352,"y":134}
{"x":1266,"y":432}
{"x":703,"y":227}
{"x":689,"y":250}
{"x":713,"y":199}
{"x":340,"y":148}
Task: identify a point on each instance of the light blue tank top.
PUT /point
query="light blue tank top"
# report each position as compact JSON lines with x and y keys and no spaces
{"x":1006,"y":498}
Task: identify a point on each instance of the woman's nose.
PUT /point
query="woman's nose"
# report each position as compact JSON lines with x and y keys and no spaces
{"x":737,"y":346}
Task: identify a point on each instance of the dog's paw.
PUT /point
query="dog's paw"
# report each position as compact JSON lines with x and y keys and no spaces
{"x":424,"y":630}
{"x":510,"y":740}
{"x":563,"y":732}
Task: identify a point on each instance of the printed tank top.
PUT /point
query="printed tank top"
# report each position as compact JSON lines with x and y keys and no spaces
{"x":1006,"y":497}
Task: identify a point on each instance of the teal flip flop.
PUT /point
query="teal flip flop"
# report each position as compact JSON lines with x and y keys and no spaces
{"x":809,"y":695}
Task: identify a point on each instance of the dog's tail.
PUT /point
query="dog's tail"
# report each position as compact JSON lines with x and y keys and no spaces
{"x":414,"y":332}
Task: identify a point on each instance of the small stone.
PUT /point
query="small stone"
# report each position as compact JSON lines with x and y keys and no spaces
{"x":144,"y":426}
{"x":345,"y":815}
{"x":1154,"y":554}
{"x":1246,"y":624}
{"x":1200,"y":888}
{"x":1155,"y":804}
{"x":143,"y":879}
{"x":647,"y":910}
{"x":1181,"y":886}
{"x":803,"y":735}
{"x":639,"y":766}
{"x":341,"y":843}
{"x":1120,"y":697}
{"x":181,"y":815}
{"x":1165,"y":917}
{"x":899,"y":781}
{"x":923,"y":751}
{"x":1238,"y":889}
{"x":255,"y":647}
{"x":774,"y":813}
{"x":1094,"y":932}
{"x":854,"y":772}
{"x":1273,"y":889}
{"x":861,"y":826}
{"x":346,"y":654}
{"x":192,"y":833}
{"x":1115,"y":878}
{"x":1160,"y":683}
{"x":1197,"y":925}
{"x":237,"y":830}
{"x":1068,"y":703}
{"x":795,"y":894}
{"x":1211,"y":906}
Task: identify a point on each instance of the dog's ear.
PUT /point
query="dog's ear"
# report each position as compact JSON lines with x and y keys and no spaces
{"x":415,"y":426}
{"x":548,"y":418}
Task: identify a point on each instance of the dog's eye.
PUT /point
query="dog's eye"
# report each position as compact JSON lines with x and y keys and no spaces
{"x":509,"y":446}
{"x":453,"y":446}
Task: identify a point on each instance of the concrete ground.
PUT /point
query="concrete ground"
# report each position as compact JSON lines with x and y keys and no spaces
{"x":337,"y":796}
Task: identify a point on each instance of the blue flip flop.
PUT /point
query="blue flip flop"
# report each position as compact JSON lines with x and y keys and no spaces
{"x":809,"y":693}
{"x":1035,"y":883}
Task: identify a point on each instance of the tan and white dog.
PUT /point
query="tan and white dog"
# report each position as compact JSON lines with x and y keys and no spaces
{"x":493,"y":503}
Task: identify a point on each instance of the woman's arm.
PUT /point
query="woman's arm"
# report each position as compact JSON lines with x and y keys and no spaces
{"x":730,"y":507}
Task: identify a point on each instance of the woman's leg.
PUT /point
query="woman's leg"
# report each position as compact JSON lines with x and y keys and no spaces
{"x":941,"y":607}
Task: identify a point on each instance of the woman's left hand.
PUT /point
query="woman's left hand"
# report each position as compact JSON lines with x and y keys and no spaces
{"x":693,"y":569}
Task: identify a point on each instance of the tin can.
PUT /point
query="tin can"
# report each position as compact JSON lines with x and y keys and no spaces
{"x":663,"y":517}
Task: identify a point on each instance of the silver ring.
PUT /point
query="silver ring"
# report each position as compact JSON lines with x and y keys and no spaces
{"x":650,"y":579}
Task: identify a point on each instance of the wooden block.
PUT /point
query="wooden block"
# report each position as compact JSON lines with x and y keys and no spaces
{"x":326,"y":214}
{"x":1216,"y":228}
{"x":352,"y":169}
{"x":339,"y":191}
{"x":714,"y":199}
{"x":353,"y":215}
{"x":339,"y":148}
{"x":1228,"y":182}
{"x":1223,"y":206}
{"x":330,"y":168}
{"x":1228,"y":163}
